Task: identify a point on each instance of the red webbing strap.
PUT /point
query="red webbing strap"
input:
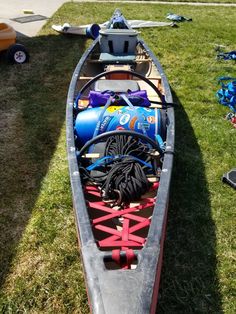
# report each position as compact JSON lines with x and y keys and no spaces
{"x":122,"y":237}
{"x":125,"y":230}
{"x":130,"y":256}
{"x":119,"y":213}
{"x":116,"y":256}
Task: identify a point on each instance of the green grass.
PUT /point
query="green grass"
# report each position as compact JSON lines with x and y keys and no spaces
{"x":40,"y":269}
{"x":201,"y":1}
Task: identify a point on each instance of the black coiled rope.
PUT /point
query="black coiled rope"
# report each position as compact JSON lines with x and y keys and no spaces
{"x":123,"y":180}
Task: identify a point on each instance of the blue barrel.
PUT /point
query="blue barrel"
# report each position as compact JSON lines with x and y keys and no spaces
{"x":139,"y":119}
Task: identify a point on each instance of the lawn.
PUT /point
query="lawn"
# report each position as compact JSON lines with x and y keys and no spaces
{"x":40,"y":269}
{"x":201,"y":1}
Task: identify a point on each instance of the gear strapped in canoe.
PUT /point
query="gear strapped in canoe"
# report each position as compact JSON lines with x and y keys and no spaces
{"x":121,"y":154}
{"x":121,"y":173}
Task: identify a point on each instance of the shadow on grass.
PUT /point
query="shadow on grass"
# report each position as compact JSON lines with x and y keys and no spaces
{"x":32,"y":114}
{"x":189,"y":282}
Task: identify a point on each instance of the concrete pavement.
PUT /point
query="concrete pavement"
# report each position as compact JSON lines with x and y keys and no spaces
{"x":15,"y":8}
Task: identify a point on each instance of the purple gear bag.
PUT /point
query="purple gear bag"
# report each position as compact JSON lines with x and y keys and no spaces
{"x":138,"y":98}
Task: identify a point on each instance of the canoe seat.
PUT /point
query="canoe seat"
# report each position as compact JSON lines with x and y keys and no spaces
{"x":117,"y":86}
{"x":118,"y":45}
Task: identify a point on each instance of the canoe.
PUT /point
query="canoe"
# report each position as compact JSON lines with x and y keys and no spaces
{"x":120,"y":144}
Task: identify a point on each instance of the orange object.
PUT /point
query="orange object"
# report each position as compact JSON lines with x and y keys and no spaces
{"x":7,"y":36}
{"x":118,"y":76}
{"x":15,"y":53}
{"x":83,"y":103}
